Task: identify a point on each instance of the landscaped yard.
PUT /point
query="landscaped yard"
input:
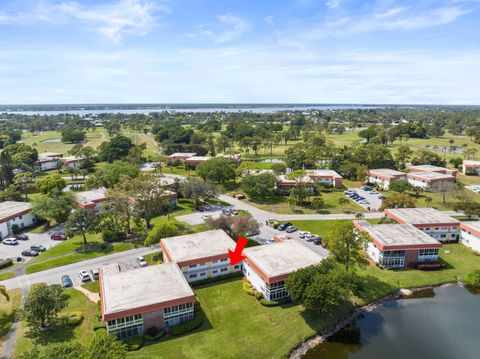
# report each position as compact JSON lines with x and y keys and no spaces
{"x":93,"y":286}
{"x":320,"y":228}
{"x":154,"y":258}
{"x":8,"y":310}
{"x":60,"y":333}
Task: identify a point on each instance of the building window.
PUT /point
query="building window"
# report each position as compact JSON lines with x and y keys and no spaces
{"x":192,"y":266}
{"x":223,"y":269}
{"x":193,"y":275}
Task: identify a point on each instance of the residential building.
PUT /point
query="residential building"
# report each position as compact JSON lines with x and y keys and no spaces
{"x":399,"y":245}
{"x":180,"y":156}
{"x":194,"y":161}
{"x":431,"y":221}
{"x":470,"y":234}
{"x":73,"y":161}
{"x":471,"y":168}
{"x":133,"y":301}
{"x":92,"y":200}
{"x":15,"y":214}
{"x":267,"y":267}
{"x":383,"y":177}
{"x":429,"y":180}
{"x":325,"y":176}
{"x":48,"y":160}
{"x":200,"y":255}
{"x":430,"y":168}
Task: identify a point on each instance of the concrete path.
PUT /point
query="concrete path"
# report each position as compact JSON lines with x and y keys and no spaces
{"x":93,"y":297}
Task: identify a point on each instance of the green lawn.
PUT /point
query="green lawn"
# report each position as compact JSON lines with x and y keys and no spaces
{"x":154,"y":258}
{"x":321,"y":228}
{"x":93,"y":286}
{"x":8,"y":310}
{"x":6,"y":275}
{"x":60,"y":333}
{"x":237,"y":326}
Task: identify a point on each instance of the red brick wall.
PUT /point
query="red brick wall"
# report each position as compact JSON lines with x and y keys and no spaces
{"x":153,"y":319}
{"x":411,"y":258}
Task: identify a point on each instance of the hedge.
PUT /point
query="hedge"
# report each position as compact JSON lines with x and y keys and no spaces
{"x":258,"y":295}
{"x":247,"y":287}
{"x":186,"y":327}
{"x":99,"y":325}
{"x":219,"y":278}
{"x":134,"y":343}
{"x":273,"y":303}
{"x":153,"y":334}
{"x":72,"y":319}
{"x":4,"y":263}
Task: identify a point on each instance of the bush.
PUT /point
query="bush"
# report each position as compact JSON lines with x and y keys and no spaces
{"x":98,"y":325}
{"x":473,"y":279}
{"x":186,"y":327}
{"x":134,"y":343}
{"x":16,"y":229}
{"x":72,"y":319}
{"x":109,"y":235}
{"x":258,"y":295}
{"x":248,"y":288}
{"x":4,"y":263}
{"x":273,"y":303}
{"x":275,"y":225}
{"x":100,"y":332}
{"x":154,"y":333}
{"x":162,"y":230}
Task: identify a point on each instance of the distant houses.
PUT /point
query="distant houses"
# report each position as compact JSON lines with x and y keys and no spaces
{"x":92,"y":200}
{"x":52,"y":160}
{"x":383,"y":177}
{"x":318,"y":176}
{"x":471,"y":168}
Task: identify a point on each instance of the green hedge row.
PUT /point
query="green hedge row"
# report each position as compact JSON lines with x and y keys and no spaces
{"x":4,"y":263}
{"x":186,"y":327}
{"x":274,"y":303}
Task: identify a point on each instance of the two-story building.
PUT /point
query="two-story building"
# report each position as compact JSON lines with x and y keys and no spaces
{"x":179,"y":156}
{"x":429,"y":180}
{"x":200,"y":255}
{"x":470,"y":234}
{"x":399,"y":245}
{"x":15,"y":214}
{"x":429,"y":220}
{"x":267,"y":267}
{"x":48,"y":160}
{"x":430,"y":168}
{"x":325,"y":176}
{"x":382,"y":177}
{"x":194,"y":161}
{"x":471,"y":168}
{"x":92,"y":200}
{"x":133,"y":301}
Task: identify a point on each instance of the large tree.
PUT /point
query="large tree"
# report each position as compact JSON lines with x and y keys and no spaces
{"x":148,"y":197}
{"x":24,"y":182}
{"x":217,"y":169}
{"x":234,"y":225}
{"x":115,"y":149}
{"x":43,"y":304}
{"x":55,"y":207}
{"x":110,"y":175}
{"x":50,"y":184}
{"x":259,"y":186}
{"x":198,"y":190}
{"x":81,"y":221}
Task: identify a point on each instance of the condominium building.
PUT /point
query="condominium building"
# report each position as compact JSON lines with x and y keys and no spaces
{"x":384,"y":176}
{"x":179,"y":156}
{"x":328,"y":177}
{"x":429,"y":180}
{"x":399,"y":245}
{"x":92,"y":200}
{"x":471,"y":167}
{"x":267,"y":267}
{"x":48,"y":160}
{"x":429,"y":220}
{"x":430,"y":168}
{"x":470,"y":234}
{"x":133,"y":301}
{"x":15,"y":214}
{"x":200,"y":255}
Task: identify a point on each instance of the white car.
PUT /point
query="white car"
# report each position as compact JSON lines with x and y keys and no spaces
{"x":142,"y":261}
{"x":10,"y":241}
{"x":205,"y":216}
{"x":84,"y":276}
{"x":303,"y":234}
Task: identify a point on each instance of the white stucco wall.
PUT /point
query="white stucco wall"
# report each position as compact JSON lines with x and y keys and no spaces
{"x":255,"y":280}
{"x":470,"y":240}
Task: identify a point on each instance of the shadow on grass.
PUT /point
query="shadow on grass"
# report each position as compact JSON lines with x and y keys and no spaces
{"x":6,"y":322}
{"x":374,"y":288}
{"x":57,"y":333}
{"x":94,"y":248}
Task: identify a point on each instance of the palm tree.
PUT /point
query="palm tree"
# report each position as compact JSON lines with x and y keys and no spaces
{"x":3,"y":291}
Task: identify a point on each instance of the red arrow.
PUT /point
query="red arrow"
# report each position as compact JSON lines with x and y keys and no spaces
{"x":236,"y":256}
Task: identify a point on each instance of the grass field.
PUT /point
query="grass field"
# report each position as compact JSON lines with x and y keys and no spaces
{"x":93,"y":286}
{"x":59,"y":332}
{"x":154,"y":258}
{"x":8,"y":309}
{"x":6,"y":275}
{"x":321,"y":228}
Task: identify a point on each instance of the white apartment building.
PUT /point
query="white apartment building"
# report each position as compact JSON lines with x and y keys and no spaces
{"x":15,"y":214}
{"x":428,"y":180}
{"x":470,"y":234}
{"x":384,"y":176}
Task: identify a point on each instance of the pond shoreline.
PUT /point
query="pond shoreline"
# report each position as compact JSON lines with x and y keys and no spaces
{"x":299,"y":351}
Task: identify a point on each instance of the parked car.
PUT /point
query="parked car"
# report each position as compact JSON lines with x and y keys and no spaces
{"x":58,"y":236}
{"x":270,"y":241}
{"x":29,"y":253}
{"x":252,"y":233}
{"x":94,"y":273}
{"x":317,"y":240}
{"x":291,"y":229}
{"x":284,"y":226}
{"x":366,"y":188}
{"x":21,"y":237}
{"x":84,"y":276}
{"x":205,"y":216}
{"x":381,"y":197}
{"x":10,"y":241}
{"x":38,"y":248}
{"x":66,"y":281}
{"x":303,"y":234}
{"x":271,"y":222}
{"x":142,"y":261}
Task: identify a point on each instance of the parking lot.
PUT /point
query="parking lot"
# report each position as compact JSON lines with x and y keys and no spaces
{"x":371,"y":197}
{"x":213,"y":210}
{"x":9,"y":251}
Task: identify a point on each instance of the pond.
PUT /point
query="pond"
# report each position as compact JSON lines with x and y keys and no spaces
{"x":443,"y":326}
{"x":273,"y":160}
{"x":52,"y":140}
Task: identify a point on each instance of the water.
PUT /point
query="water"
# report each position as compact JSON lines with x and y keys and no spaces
{"x":53,"y":140}
{"x":139,"y":109}
{"x":445,"y":326}
{"x":273,"y":160}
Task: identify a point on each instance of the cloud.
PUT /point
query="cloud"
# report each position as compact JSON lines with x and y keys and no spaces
{"x":113,"y":20}
{"x":333,"y":3}
{"x":228,"y":28}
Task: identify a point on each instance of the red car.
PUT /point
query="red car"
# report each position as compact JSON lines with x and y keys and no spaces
{"x":58,"y":236}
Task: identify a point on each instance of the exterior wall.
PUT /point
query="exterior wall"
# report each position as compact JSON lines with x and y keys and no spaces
{"x":210,"y":269}
{"x":471,"y":170}
{"x":23,"y":221}
{"x":416,"y":182}
{"x":470,"y":239}
{"x":153,"y":319}
{"x":73,"y":164}
{"x":411,"y":258}
{"x":255,"y":280}
{"x":49,"y":165}
{"x":383,"y":183}
{"x":441,"y":234}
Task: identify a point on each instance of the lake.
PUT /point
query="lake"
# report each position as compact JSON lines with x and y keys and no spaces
{"x":445,"y":326}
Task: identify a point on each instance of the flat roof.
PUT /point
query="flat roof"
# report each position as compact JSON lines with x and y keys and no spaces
{"x":430,"y":175}
{"x":156,"y":284}
{"x":11,"y":209}
{"x":472,"y":226}
{"x":323,"y":173}
{"x":282,"y":258}
{"x":92,"y":196}
{"x":387,"y":172}
{"x":182,"y":154}
{"x":49,"y":155}
{"x":394,"y":235}
{"x":471,"y":163}
{"x":198,"y":245}
{"x":199,"y":158}
{"x":427,"y":168}
{"x":419,"y":216}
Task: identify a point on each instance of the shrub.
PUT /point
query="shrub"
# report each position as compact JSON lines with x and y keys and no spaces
{"x":186,"y":327}
{"x":109,"y":235}
{"x":16,"y":229}
{"x":4,"y":263}
{"x":258,"y":295}
{"x":72,"y":319}
{"x":473,"y":279}
{"x":248,"y":288}
{"x":273,"y":303}
{"x":98,"y":325}
{"x":134,"y":343}
{"x":100,"y":332}
{"x":162,"y":230}
{"x":219,"y":278}
{"x":154,"y":333}
{"x":275,"y":225}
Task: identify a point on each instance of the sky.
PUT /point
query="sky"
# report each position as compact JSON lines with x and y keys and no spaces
{"x":240,"y":51}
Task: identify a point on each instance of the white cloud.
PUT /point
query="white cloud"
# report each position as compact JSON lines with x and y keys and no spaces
{"x":332,"y":4}
{"x":228,"y":28}
{"x":113,"y":20}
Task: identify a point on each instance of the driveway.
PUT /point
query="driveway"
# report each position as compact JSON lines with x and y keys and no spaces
{"x":214,"y":211}
{"x":374,"y":202}
{"x":13,"y":252}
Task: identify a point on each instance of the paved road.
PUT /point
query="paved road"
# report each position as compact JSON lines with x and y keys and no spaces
{"x":52,"y":276}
